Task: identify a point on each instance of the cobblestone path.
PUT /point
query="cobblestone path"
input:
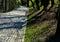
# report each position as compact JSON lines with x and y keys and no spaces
{"x":12,"y":26}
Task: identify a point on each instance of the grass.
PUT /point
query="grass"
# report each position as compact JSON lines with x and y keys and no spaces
{"x":33,"y":31}
{"x":35,"y":13}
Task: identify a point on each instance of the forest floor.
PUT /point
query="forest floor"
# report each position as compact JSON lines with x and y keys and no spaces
{"x":42,"y":26}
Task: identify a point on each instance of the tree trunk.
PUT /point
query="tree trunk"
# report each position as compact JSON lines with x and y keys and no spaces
{"x":52,"y":3}
{"x":27,"y":3}
{"x":32,"y":3}
{"x":21,"y":2}
{"x":37,"y":4}
{"x":58,"y":22}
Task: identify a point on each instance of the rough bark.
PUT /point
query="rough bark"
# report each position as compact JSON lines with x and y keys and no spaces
{"x":58,"y":22}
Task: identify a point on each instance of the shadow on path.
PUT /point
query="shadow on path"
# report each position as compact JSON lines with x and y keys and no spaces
{"x":8,"y":22}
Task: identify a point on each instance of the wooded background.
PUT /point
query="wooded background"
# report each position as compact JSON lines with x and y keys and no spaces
{"x":6,"y":5}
